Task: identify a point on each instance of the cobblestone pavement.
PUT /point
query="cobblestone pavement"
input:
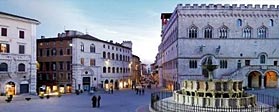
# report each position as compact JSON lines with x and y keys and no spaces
{"x":120,"y":101}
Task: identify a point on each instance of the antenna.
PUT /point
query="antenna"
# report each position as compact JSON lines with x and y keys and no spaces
{"x":86,"y":31}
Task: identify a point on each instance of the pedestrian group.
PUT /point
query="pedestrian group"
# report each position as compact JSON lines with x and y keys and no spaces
{"x":96,"y":101}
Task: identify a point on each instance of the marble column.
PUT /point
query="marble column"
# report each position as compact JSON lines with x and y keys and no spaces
{"x":262,"y":83}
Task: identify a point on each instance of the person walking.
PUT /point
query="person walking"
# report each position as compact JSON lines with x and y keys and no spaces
{"x":142,"y":91}
{"x":94,"y":99}
{"x":137,"y":90}
{"x":98,"y":100}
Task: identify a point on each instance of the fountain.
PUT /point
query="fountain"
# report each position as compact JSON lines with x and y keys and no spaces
{"x":210,"y":94}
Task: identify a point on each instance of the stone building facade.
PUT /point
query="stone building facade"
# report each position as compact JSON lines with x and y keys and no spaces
{"x":17,"y":54}
{"x":243,"y":39}
{"x":88,"y":61}
{"x":135,"y":70}
{"x":55,"y":58}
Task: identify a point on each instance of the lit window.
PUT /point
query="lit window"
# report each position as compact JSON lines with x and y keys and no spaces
{"x":5,"y":48}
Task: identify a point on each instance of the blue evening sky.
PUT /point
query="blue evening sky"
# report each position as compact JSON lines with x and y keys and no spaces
{"x":117,"y":20}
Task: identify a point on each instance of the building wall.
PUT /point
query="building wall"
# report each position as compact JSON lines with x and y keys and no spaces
{"x":13,"y":58}
{"x":60,"y":77}
{"x":234,"y":49}
{"x":96,"y":71}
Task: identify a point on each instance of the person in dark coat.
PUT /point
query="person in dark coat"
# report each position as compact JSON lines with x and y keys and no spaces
{"x":98,"y":100}
{"x":143,"y":91}
{"x":137,"y":90}
{"x":94,"y":100}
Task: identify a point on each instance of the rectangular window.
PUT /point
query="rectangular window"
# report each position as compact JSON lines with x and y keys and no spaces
{"x":21,"y":49}
{"x":247,"y":62}
{"x":3,"y":31}
{"x":193,"y":64}
{"x":40,"y":52}
{"x":223,"y":64}
{"x":68,"y":65}
{"x":53,"y":66}
{"x":275,"y":63}
{"x":47,"y":66}
{"x":54,"y":76}
{"x":82,"y":61}
{"x":92,"y":62}
{"x":61,"y":65}
{"x":5,"y":48}
{"x":41,"y":66}
{"x":68,"y":51}
{"x":40,"y":77}
{"x":47,"y":52}
{"x":21,"y":34}
{"x":61,"y":76}
{"x":47,"y":76}
{"x":69,"y":76}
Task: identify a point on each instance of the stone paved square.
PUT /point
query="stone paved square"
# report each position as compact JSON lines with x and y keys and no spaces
{"x":120,"y":101}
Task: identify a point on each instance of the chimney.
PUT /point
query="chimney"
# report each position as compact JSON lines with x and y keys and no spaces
{"x":42,"y":37}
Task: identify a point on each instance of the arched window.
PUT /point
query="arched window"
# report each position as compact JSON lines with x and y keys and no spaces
{"x":271,"y":23}
{"x":112,"y":56}
{"x":4,"y":67}
{"x":108,"y":69}
{"x":92,"y":48}
{"x":208,"y":32}
{"x":21,"y":67}
{"x":104,"y":69}
{"x":262,"y":32}
{"x":193,"y":32}
{"x":247,"y":32}
{"x":108,"y":55}
{"x":239,"y":22}
{"x":117,"y":70}
{"x":104,"y":54}
{"x":262,"y":59}
{"x":113,"y":69}
{"x":116,"y":56}
{"x":223,"y":32}
{"x":120,"y":57}
{"x":81,"y":47}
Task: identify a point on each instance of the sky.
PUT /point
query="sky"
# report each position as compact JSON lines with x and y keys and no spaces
{"x":117,"y":20}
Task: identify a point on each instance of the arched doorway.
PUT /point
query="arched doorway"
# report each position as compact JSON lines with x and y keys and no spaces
{"x":116,"y":84}
{"x":254,"y":79}
{"x":10,"y":88}
{"x":270,"y":79}
{"x":106,"y":84}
